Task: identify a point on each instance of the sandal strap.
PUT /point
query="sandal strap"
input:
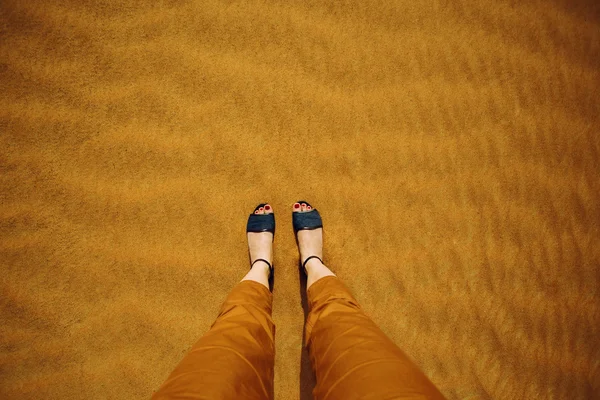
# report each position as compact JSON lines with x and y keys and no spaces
{"x":307,"y":220}
{"x":262,"y":259}
{"x":305,"y":261}
{"x":261,"y":223}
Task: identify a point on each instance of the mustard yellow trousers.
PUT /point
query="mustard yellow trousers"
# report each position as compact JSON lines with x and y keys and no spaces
{"x":351,"y":357}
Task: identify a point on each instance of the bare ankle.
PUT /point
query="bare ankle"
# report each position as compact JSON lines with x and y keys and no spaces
{"x":314,"y":265}
{"x":316,"y":270}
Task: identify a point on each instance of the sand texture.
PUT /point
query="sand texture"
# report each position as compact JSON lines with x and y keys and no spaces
{"x":452,"y":148}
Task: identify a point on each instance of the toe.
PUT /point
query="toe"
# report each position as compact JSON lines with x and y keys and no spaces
{"x":261,"y":210}
{"x":296,"y":207}
{"x":308,"y":207}
{"x":268,"y":209}
{"x":303,"y":207}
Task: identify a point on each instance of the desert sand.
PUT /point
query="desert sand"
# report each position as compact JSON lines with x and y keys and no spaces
{"x":452,"y":148}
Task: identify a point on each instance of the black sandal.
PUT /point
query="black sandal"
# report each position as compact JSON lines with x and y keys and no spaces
{"x":307,"y":221}
{"x":261,"y":223}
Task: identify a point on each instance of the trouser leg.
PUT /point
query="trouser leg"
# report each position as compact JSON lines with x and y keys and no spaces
{"x":235,"y":358}
{"x":351,"y":356}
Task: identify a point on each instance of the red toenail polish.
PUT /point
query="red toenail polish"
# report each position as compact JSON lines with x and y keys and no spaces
{"x":308,"y":207}
{"x":296,"y":205}
{"x":267,"y":207}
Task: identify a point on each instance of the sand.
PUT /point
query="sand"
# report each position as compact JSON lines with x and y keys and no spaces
{"x":452,"y":148}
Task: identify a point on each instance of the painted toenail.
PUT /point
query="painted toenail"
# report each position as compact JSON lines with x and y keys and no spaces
{"x":296,"y":205}
{"x":308,"y":207}
{"x":267,"y":207}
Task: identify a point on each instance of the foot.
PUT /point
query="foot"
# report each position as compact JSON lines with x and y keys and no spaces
{"x":260,"y":244}
{"x":310,"y":242}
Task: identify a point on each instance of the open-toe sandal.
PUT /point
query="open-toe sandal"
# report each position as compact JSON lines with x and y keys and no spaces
{"x":307,"y":221}
{"x":261,"y":223}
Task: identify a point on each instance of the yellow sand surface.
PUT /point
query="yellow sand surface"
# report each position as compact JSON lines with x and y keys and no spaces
{"x":452,"y":148}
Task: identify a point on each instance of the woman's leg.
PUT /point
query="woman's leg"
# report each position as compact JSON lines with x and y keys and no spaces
{"x":351,"y":356}
{"x":235,"y":358}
